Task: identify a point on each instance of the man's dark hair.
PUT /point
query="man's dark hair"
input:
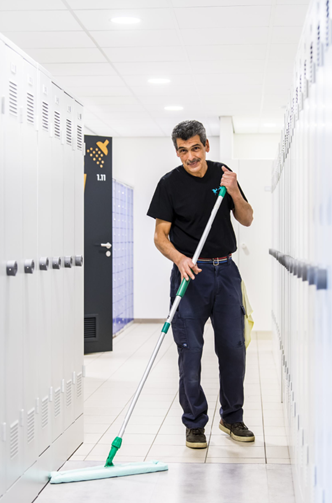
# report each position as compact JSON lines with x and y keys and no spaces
{"x":188,"y":129}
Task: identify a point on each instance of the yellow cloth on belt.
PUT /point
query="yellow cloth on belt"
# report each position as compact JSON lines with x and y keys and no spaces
{"x":248,"y":320}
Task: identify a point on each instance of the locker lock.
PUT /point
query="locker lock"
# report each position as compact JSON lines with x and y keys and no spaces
{"x":56,"y":262}
{"x":79,"y":260}
{"x":43,"y":264}
{"x":29,"y":266}
{"x":11,"y":268}
{"x":68,"y":261}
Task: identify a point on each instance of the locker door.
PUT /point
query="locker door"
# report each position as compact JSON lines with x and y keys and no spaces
{"x":2,"y":283}
{"x":13,"y":302}
{"x":57,"y":336}
{"x":68,"y":247}
{"x":46,"y":272}
{"x":78,"y":252}
{"x":30,"y":257}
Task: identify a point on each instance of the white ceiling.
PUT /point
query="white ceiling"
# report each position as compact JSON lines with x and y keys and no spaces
{"x":223,"y":57}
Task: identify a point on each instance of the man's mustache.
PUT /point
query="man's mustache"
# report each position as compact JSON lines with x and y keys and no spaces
{"x":194,"y":161}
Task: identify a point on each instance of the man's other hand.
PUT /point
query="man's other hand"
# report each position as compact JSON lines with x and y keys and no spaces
{"x":187,"y":268}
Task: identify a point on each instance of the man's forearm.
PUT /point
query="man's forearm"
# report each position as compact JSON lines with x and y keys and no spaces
{"x":167,"y":249}
{"x":243,"y":212}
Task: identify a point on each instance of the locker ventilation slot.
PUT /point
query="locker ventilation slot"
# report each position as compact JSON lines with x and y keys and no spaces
{"x":57,"y":130}
{"x":68,"y":393}
{"x":45,"y":115}
{"x":68,"y":132}
{"x":90,"y":327}
{"x":30,"y":108}
{"x":79,"y":138}
{"x":31,"y":425}
{"x":13,"y":440}
{"x":13,"y":101}
{"x":44,"y":412}
{"x":79,"y":384}
{"x":57,"y":402}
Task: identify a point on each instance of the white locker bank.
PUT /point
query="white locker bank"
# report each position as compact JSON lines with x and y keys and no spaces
{"x":41,"y":275}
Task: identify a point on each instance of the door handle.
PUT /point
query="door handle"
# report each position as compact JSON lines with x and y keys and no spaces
{"x":106,"y":245}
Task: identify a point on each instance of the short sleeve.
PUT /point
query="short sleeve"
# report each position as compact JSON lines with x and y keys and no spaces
{"x":161,"y":205}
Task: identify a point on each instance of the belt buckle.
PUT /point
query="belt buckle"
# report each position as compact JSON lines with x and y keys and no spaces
{"x":215,"y":261}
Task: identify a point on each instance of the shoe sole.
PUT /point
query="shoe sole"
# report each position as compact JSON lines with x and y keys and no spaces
{"x":196,"y":445}
{"x":236,"y":437}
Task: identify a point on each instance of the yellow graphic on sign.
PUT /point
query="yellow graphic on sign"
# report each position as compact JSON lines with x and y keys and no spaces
{"x":84,"y":181}
{"x":99,"y":152}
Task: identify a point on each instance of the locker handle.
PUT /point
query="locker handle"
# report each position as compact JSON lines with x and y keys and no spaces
{"x":11,"y":268}
{"x":79,"y":260}
{"x":56,"y":263}
{"x":321,"y":279}
{"x":43,"y":263}
{"x":304,"y":272}
{"x":68,"y":262}
{"x":311,"y":275}
{"x":29,"y":266}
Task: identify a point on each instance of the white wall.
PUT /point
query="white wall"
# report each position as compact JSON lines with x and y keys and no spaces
{"x":140,"y":163}
{"x":255,"y":146}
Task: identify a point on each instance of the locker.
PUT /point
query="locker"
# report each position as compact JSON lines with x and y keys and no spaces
{"x":68,"y":250}
{"x":56,"y":251}
{"x":30,"y":260}
{"x":13,"y":247}
{"x":3,"y":425}
{"x":46,"y":272}
{"x":78,"y":256}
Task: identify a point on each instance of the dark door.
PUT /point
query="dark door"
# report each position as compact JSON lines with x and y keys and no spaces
{"x":97,"y":244}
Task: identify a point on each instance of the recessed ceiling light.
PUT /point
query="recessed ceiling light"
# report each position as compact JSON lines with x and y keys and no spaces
{"x":270,"y":124}
{"x":159,"y":81}
{"x":125,"y":20}
{"x":173,"y":108}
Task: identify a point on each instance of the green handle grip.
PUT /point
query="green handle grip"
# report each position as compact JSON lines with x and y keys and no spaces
{"x":222,"y":191}
{"x":183,"y":287}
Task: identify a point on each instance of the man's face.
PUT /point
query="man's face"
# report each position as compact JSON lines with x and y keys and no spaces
{"x":193,"y":155}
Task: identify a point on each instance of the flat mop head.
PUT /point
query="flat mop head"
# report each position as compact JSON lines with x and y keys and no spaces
{"x":105,"y":472}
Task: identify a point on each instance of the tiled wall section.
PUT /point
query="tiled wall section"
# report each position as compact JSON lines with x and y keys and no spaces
{"x":123,"y":305}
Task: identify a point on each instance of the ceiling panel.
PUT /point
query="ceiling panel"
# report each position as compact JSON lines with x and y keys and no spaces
{"x":152,"y":19}
{"x":286,"y":34}
{"x":227,"y":52}
{"x":81,"y":69}
{"x":218,"y":17}
{"x":290,"y":15}
{"x":142,"y":80}
{"x":67,"y":55}
{"x":231,"y":79}
{"x":93,"y":91}
{"x":118,"y":4}
{"x":155,"y":68}
{"x":283,"y":52}
{"x":171,"y":91}
{"x":38,"y":21}
{"x":230,"y":66}
{"x":52,"y":39}
{"x":136,"y":38}
{"x":228,"y":35}
{"x":32,"y":5}
{"x":135,"y":54}
{"x":111,"y":81}
{"x":219,"y":3}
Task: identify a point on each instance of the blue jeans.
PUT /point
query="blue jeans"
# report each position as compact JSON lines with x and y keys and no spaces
{"x":215,"y":293}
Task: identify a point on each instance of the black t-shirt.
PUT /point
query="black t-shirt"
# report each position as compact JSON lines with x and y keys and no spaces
{"x":187,"y":201}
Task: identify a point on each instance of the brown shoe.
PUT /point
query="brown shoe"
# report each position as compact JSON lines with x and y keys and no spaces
{"x":195,"y":438}
{"x":238,"y":431}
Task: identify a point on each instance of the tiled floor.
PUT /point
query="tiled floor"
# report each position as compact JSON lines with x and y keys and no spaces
{"x":155,"y":430}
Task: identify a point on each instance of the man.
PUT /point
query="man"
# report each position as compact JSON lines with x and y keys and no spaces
{"x":181,"y":205}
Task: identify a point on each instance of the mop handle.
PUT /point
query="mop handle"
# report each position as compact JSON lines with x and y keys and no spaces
{"x":180,"y":293}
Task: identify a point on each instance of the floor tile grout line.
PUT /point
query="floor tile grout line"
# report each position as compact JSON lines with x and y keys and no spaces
{"x":210,"y":435}
{"x":176,"y":394}
{"x":260,"y":388}
{"x":128,"y":402}
{"x":105,"y":380}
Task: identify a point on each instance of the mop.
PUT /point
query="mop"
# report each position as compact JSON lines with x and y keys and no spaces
{"x":109,"y":469}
